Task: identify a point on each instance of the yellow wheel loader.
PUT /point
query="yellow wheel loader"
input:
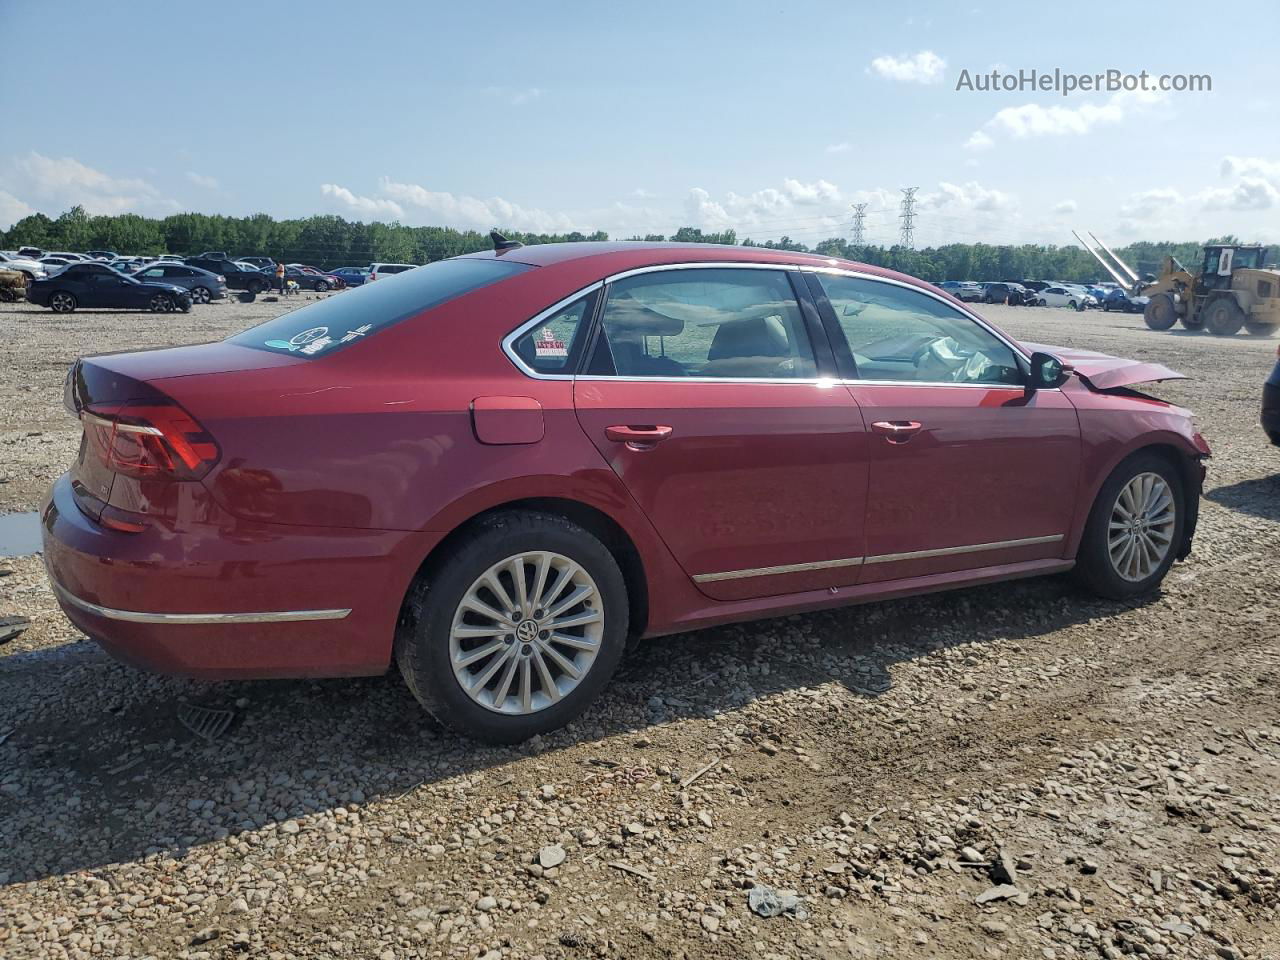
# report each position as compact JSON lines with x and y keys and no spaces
{"x":1232,"y":289}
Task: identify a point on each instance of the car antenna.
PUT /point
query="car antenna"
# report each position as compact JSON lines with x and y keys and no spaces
{"x":501,"y":243}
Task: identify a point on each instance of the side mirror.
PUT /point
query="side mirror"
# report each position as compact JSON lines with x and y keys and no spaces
{"x":1047,"y":371}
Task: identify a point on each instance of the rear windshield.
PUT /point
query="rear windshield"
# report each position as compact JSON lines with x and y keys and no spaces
{"x":328,"y":325}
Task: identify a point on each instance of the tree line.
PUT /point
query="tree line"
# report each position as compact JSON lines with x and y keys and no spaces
{"x":331,"y":241}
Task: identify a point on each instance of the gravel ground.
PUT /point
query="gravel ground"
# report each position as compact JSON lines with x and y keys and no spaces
{"x":1010,"y":771}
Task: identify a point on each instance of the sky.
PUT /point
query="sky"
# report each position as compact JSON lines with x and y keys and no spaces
{"x":769,"y":118}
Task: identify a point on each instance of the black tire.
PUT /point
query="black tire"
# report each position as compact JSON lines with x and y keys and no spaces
{"x":61,"y":301}
{"x":1222,"y":316}
{"x":322,"y":286}
{"x":201,"y":294}
{"x":1106,"y":306}
{"x":161,"y":303}
{"x":423,"y":631}
{"x":1073,"y":305}
{"x":1160,"y":312}
{"x":1094,"y":568}
{"x":1255,"y":329}
{"x":256,"y":287}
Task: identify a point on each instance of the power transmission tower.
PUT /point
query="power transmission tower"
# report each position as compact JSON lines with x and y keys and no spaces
{"x":859,"y":217}
{"x":908,"y":217}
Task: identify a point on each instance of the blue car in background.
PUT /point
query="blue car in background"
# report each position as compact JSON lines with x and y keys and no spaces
{"x":352,"y":276}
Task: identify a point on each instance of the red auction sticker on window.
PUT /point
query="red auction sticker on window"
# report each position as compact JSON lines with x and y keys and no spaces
{"x":548,"y":346}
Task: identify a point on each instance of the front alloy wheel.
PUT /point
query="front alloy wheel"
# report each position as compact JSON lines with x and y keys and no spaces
{"x":62,"y":302}
{"x":1140,"y":533}
{"x":161,"y":303}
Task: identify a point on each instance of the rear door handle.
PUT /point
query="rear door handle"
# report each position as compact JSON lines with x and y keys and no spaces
{"x":897,"y":431}
{"x":638,"y":438}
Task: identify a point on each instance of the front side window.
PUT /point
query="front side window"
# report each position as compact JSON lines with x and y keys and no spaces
{"x":899,"y":334}
{"x":714,"y":322}
{"x":324,"y":326}
{"x":154,"y":272}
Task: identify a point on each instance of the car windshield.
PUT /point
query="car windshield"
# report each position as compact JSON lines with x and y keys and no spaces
{"x":328,"y":325}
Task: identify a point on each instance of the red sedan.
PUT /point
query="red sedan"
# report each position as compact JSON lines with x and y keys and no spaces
{"x":496,"y":469}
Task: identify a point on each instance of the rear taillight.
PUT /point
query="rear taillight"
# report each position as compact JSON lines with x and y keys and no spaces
{"x":149,"y":441}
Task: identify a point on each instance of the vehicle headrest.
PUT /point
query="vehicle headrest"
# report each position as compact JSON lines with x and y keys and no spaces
{"x":754,"y":337}
{"x":627,"y":313}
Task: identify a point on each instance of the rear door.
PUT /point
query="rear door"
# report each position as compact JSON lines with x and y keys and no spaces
{"x":966,"y":470}
{"x":704,"y":392}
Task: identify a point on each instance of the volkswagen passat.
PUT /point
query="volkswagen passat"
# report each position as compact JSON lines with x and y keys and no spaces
{"x":494,"y":470}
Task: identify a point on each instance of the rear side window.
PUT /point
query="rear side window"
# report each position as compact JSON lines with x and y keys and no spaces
{"x":554,"y":344}
{"x":738,"y":324}
{"x":322,"y":327}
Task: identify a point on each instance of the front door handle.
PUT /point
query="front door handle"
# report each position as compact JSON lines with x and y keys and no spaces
{"x":638,"y":438}
{"x":897,"y":431}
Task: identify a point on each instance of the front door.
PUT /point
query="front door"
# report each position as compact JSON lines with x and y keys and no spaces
{"x":703,"y":395}
{"x":966,"y":470}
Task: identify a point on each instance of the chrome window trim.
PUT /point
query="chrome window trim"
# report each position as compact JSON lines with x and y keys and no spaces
{"x":137,"y":616}
{"x":861,"y":275}
{"x":509,"y":340}
{"x":882,"y":558}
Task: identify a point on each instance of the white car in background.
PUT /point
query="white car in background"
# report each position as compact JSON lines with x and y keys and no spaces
{"x":34,"y":269}
{"x":1067,"y":297}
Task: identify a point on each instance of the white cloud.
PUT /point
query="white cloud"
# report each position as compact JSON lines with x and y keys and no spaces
{"x":364,"y":206}
{"x":979,"y":141}
{"x":839,"y":147}
{"x":1065,"y":206}
{"x":1251,"y":193}
{"x":1251,"y":166}
{"x":1151,"y":204}
{"x":467,"y":211}
{"x":1038,"y":120}
{"x":923,"y":67}
{"x":200,"y":180}
{"x":971,"y":196}
{"x":12,"y":210}
{"x":58,"y":183}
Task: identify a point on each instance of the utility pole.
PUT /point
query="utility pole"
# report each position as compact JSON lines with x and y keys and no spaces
{"x":859,"y":218}
{"x":908,"y":217}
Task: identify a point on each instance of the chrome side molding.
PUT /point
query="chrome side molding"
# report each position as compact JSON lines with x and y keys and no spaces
{"x":135,"y":616}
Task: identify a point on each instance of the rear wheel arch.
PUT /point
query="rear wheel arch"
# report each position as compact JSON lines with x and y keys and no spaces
{"x":595,"y":521}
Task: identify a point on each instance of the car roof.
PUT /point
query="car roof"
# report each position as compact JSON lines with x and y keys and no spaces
{"x":605,"y":257}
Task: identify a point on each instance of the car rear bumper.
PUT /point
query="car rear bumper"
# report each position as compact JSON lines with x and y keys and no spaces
{"x":226,"y":599}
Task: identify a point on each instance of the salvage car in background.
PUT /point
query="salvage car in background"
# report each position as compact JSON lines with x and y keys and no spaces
{"x":1066,"y":297}
{"x":1123,"y":300}
{"x":352,"y":276}
{"x":95,"y":284}
{"x":541,"y":452}
{"x":235,"y":277}
{"x":965,"y":290}
{"x":203,"y":285}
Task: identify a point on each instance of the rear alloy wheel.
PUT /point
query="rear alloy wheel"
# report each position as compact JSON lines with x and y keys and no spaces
{"x":1134,"y":528}
{"x":1160,"y":312}
{"x":517,"y":630}
{"x":1223,"y":316}
{"x":161,"y":303}
{"x":1255,"y":329}
{"x":62,"y":302}
{"x":201,"y":294}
